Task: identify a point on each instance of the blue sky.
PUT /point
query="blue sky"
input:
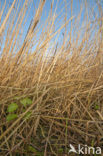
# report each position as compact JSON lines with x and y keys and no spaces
{"x":33,"y":4}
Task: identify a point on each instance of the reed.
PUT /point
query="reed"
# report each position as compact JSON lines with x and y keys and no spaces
{"x":51,"y":89}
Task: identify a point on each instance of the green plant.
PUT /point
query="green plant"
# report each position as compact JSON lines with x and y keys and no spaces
{"x":33,"y":150}
{"x":96,"y":106}
{"x":26,"y":101}
{"x":13,"y":107}
{"x":28,"y":115}
{"x":60,"y":150}
{"x":11,"y":117}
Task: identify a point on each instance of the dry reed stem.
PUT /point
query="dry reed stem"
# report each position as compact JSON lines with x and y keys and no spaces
{"x":64,"y":80}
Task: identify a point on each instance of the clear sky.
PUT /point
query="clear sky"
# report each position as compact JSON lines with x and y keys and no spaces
{"x":60,"y":11}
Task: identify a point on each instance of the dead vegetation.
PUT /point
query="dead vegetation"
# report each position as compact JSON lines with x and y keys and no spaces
{"x":64,"y":81}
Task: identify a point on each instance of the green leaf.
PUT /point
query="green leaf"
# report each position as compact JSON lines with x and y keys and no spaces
{"x":26,"y":101}
{"x":28,"y":114}
{"x":92,"y":143}
{"x":11,"y":117}
{"x":60,"y":150}
{"x":96,"y":107}
{"x":23,"y":102}
{"x":32,"y":149}
{"x":12,"y":107}
{"x":29,"y":101}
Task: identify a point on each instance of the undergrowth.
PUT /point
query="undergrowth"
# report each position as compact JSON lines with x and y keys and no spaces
{"x":51,"y":80}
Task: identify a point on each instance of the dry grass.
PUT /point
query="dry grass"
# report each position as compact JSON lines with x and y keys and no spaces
{"x":65,"y":83}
